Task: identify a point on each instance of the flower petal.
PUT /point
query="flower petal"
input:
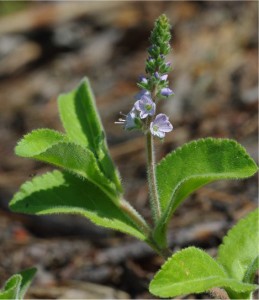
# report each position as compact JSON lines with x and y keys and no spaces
{"x":166,"y":127}
{"x":166,"y":92}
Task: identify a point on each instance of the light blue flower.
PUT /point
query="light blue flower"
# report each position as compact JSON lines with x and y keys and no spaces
{"x":143,"y":79}
{"x":141,"y":94}
{"x":161,"y":125}
{"x":166,"y":92}
{"x":145,"y":106}
{"x":131,"y":120}
{"x":161,"y":77}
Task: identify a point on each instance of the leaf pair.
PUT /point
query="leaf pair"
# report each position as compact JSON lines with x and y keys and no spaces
{"x":55,"y":148}
{"x":89,"y":184}
{"x":193,"y":271}
{"x":194,"y":165}
{"x":83,"y":150}
{"x":17,"y":285}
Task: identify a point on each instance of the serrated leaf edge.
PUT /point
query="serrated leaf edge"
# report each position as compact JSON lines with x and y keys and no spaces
{"x":175,"y":256}
{"x":230,"y":232}
{"x":36,"y":131}
{"x":19,"y":281}
{"x":167,"y":213}
{"x":63,"y":209}
{"x":79,"y":173}
{"x":179,"y":150}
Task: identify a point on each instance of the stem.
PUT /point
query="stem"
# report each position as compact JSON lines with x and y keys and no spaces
{"x":154,"y":199}
{"x":140,"y":221}
{"x":135,"y":216}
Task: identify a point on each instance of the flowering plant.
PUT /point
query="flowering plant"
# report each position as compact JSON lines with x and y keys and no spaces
{"x":90,"y":185}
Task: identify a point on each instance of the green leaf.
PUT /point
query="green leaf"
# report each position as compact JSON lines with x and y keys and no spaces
{"x":239,"y":251}
{"x":27,"y":277}
{"x":54,"y":148}
{"x":83,"y":126}
{"x":38,"y":141}
{"x":11,"y":288}
{"x":251,"y":271}
{"x":195,"y":164}
{"x":58,"y":192}
{"x":192,"y":271}
{"x":17,"y":285}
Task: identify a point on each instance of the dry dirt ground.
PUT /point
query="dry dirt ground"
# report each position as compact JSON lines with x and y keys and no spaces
{"x":45,"y":49}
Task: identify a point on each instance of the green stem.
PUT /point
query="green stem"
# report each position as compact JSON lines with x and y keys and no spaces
{"x":154,"y":199}
{"x":135,"y":217}
{"x":140,"y":221}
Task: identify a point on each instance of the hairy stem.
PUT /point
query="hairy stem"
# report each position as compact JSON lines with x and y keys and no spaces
{"x":135,"y":217}
{"x":154,"y":199}
{"x":140,"y":221}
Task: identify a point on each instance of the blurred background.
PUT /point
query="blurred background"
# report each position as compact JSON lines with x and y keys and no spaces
{"x":45,"y":49}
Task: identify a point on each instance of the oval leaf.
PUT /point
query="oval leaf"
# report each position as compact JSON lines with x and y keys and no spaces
{"x":27,"y":277}
{"x":38,"y":141}
{"x":192,"y":271}
{"x":82,"y":123}
{"x":17,"y":285}
{"x":195,"y":164}
{"x":54,"y":148}
{"x":11,"y":288}
{"x":58,"y":192}
{"x":239,"y":250}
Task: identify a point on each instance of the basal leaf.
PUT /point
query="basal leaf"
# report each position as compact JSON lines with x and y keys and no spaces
{"x":195,"y":164}
{"x":82,"y":123}
{"x":27,"y":277}
{"x":17,"y":285}
{"x":239,"y":250}
{"x":192,"y":271}
{"x":58,"y":192}
{"x":251,"y":270}
{"x":54,"y":148}
{"x":11,"y":288}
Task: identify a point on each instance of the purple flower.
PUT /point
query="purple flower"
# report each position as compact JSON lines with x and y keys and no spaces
{"x":141,"y":94}
{"x":161,"y":125}
{"x":168,"y":64}
{"x":161,"y":77}
{"x":129,"y":122}
{"x":164,"y":77}
{"x":157,"y":75}
{"x":145,"y":106}
{"x":166,"y":92}
{"x":143,"y":79}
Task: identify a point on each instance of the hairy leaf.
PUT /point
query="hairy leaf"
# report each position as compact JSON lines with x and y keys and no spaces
{"x":251,"y":270}
{"x":195,"y":164}
{"x":58,"y":192}
{"x":27,"y":277}
{"x":192,"y":271}
{"x":83,"y":125}
{"x":11,"y":288}
{"x":54,"y":148}
{"x":239,"y":250}
{"x":38,"y":141}
{"x":17,"y":285}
